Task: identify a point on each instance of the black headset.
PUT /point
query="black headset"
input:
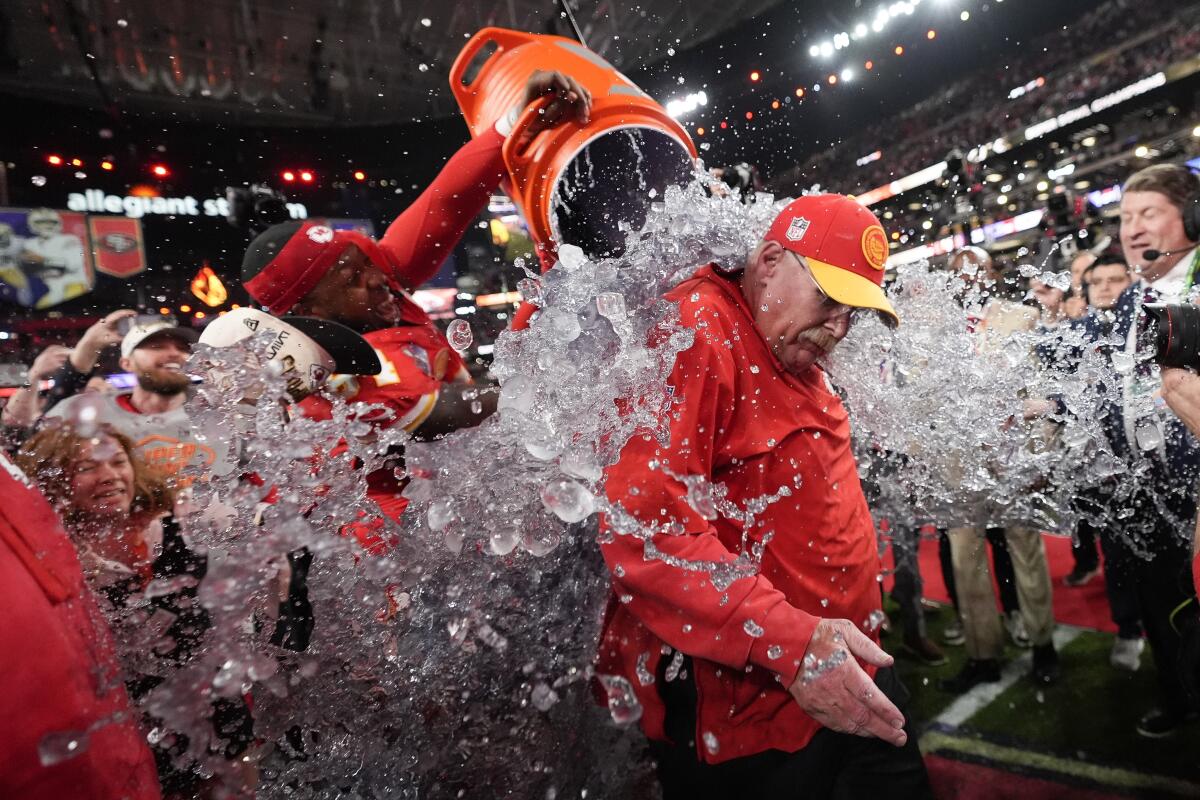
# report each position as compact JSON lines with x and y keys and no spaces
{"x":1191,"y":218}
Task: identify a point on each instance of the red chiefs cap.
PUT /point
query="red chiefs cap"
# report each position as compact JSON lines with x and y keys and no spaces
{"x":285,"y":262}
{"x":844,"y":245}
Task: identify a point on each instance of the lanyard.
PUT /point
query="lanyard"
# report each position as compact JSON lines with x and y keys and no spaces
{"x":1191,"y":273}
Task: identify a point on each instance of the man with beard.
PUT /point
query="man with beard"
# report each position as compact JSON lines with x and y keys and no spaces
{"x":773,"y":684}
{"x":152,"y":414}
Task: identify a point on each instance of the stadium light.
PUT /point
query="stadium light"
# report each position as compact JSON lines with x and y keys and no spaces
{"x":160,"y":171}
{"x":847,"y":75}
{"x":685,"y":105}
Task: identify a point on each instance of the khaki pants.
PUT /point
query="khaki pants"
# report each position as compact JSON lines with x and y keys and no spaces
{"x":977,"y":598}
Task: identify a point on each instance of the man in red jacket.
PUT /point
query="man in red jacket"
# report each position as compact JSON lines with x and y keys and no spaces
{"x":68,"y":727}
{"x":773,"y":685}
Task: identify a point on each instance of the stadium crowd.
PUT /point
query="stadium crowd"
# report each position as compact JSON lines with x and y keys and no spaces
{"x":1065,"y":64}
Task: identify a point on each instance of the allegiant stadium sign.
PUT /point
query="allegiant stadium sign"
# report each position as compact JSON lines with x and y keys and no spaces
{"x":96,"y":201}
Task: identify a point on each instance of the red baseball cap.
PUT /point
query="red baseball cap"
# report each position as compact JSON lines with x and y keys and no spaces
{"x":844,"y":246}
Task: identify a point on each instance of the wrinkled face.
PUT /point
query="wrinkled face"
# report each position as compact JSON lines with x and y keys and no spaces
{"x":798,"y":321}
{"x":158,"y":364}
{"x":1047,"y":296}
{"x":102,"y":478}
{"x":1105,"y":283}
{"x":355,"y":293}
{"x":1149,"y":220}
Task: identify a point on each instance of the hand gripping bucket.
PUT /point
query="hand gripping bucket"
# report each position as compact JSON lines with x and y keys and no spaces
{"x":585,"y":185}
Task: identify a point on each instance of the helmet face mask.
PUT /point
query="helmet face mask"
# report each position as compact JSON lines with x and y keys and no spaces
{"x":44,"y":222}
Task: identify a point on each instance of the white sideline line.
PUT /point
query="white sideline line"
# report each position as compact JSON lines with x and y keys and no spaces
{"x":966,"y":706}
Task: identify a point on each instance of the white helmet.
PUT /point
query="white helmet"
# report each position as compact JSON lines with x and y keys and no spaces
{"x":44,"y":222}
{"x":307,"y":350}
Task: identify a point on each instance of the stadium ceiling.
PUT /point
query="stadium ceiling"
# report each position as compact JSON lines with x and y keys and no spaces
{"x":318,"y":62}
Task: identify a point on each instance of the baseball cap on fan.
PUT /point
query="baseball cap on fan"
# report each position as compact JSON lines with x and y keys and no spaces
{"x":844,"y":246}
{"x":143,"y":329}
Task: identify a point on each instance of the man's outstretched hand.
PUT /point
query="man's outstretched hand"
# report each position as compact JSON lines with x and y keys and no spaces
{"x":835,"y":691}
{"x":570,"y":99}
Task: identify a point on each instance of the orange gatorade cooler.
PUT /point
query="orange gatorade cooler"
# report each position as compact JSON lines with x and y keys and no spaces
{"x":588,"y":184}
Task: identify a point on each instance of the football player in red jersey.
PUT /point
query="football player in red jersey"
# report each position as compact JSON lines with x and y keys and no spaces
{"x":309,"y":269}
{"x":344,"y":276}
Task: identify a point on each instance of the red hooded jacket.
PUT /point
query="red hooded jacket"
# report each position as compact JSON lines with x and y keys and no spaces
{"x":59,"y":667}
{"x":740,"y":420}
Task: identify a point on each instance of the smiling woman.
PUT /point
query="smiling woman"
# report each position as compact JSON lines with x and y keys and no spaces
{"x":107,"y":497}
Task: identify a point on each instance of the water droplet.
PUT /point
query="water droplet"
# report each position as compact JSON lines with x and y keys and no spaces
{"x":54,"y":748}
{"x":567,"y":500}
{"x":458,"y":333}
{"x":543,"y":697}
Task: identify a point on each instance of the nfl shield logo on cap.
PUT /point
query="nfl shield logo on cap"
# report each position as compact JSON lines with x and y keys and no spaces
{"x":321,"y":234}
{"x":797,"y":229}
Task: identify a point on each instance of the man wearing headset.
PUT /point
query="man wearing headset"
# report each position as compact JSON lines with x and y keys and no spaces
{"x":1160,"y":225}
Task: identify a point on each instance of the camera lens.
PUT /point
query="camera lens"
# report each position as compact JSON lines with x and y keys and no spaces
{"x":1176,"y":331}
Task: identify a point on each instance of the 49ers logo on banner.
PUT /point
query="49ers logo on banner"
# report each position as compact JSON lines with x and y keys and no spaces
{"x":117,"y":245}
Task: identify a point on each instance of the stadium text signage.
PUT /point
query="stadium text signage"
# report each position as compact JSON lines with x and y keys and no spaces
{"x":1096,"y":106}
{"x":96,"y":201}
{"x":1003,"y":144}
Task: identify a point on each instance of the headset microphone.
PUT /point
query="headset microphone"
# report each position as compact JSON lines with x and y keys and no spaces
{"x":1154,"y":255}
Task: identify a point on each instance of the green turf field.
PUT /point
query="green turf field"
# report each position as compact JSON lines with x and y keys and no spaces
{"x":1082,"y":726}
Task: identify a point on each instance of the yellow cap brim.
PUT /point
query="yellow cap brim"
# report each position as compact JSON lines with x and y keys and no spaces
{"x":852,"y":289}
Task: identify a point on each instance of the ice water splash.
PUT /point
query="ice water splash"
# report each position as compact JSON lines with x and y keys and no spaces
{"x":450,"y":654}
{"x":937,"y":411}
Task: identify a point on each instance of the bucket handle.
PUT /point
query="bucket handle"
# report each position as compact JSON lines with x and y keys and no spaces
{"x":504,"y":39}
{"x":509,"y":151}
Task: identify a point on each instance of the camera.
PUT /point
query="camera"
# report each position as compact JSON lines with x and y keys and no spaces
{"x":255,"y":209}
{"x":1174,"y":333}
